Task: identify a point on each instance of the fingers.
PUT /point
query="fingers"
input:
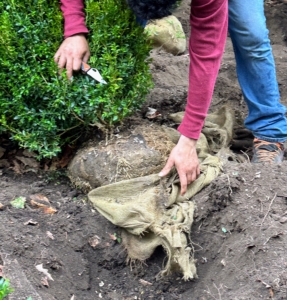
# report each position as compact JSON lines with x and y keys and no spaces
{"x":183,"y":183}
{"x":77,"y":64}
{"x":86,"y":56}
{"x":71,"y":53}
{"x":167,"y":168}
{"x":69,"y":67}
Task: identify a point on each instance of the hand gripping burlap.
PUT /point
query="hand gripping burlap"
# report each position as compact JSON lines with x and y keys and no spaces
{"x":151,"y":211}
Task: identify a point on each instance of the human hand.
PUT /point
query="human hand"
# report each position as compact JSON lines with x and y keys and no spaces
{"x":71,"y":53}
{"x":184,"y":158}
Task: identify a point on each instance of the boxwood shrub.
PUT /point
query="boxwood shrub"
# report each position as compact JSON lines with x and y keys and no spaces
{"x":40,"y":109}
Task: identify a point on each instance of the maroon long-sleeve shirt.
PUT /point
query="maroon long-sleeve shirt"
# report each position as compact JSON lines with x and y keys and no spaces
{"x":208,"y":20}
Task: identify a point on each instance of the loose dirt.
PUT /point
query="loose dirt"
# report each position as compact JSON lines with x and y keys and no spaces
{"x":240,"y":229}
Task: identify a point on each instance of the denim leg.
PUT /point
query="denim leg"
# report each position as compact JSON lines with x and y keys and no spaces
{"x":256,"y":70}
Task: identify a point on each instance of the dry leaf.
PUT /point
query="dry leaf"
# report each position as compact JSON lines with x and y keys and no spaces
{"x":31,"y":162}
{"x":112,"y":236}
{"x":144,"y":282}
{"x":2,"y":151}
{"x":40,"y":197}
{"x":39,"y":201}
{"x":94,"y":241}
{"x":4,"y":163}
{"x":54,"y":165}
{"x":50,"y":235}
{"x":31,"y":222}
{"x":17,"y":167}
{"x":67,"y":156}
{"x":44,"y":271}
{"x":271,"y":293}
{"x":49,"y":210}
{"x":1,"y":271}
{"x":37,"y":204}
{"x":44,"y":281}
{"x":152,"y":113}
{"x":28,"y":153}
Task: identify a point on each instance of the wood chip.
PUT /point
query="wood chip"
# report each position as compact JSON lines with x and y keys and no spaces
{"x":50,"y":235}
{"x":144,"y":282}
{"x":31,"y":222}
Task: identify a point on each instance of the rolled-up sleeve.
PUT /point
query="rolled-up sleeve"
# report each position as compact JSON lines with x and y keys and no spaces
{"x":208,"y":20}
{"x":74,"y":17}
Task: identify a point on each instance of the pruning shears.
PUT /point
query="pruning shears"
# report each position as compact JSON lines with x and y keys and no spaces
{"x":94,"y":73}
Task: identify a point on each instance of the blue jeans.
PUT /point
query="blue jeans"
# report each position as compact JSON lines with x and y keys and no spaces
{"x":256,"y":70}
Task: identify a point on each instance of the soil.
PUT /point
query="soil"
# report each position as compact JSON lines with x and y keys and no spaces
{"x":240,"y":229}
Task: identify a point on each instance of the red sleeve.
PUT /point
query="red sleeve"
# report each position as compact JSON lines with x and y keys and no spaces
{"x":74,"y":17}
{"x":208,"y":22}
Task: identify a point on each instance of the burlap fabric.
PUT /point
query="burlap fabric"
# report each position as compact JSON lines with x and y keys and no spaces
{"x":167,"y":33}
{"x":151,"y":211}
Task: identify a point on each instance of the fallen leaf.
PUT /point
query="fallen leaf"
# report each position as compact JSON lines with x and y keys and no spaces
{"x":54,"y":165}
{"x":44,"y":281}
{"x":2,"y":151}
{"x":113,"y":236}
{"x":44,"y":271}
{"x":49,"y":210}
{"x":1,"y":271}
{"x":152,"y":113}
{"x":4,"y":163}
{"x":31,"y":222}
{"x":18,"y":202}
{"x":27,"y":161}
{"x":17,"y":167}
{"x":94,"y":241}
{"x":39,"y":200}
{"x":39,"y":197}
{"x":28,"y":153}
{"x":271,"y":293}
{"x":144,"y":282}
{"x":50,"y":235}
{"x":67,"y":156}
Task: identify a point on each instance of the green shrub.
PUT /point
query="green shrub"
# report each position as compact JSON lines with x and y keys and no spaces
{"x":42,"y":110}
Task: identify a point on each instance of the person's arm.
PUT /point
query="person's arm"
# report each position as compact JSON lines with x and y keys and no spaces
{"x":208,"y":22}
{"x":74,"y":48}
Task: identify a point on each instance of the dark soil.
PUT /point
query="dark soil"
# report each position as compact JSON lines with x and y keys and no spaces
{"x":240,"y":229}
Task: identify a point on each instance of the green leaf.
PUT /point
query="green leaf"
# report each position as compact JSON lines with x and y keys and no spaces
{"x":18,"y":202}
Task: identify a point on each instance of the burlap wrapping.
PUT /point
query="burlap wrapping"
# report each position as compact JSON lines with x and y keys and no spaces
{"x":151,"y":211}
{"x":168,"y":34}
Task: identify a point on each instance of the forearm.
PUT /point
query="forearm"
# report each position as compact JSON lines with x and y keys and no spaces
{"x":206,"y":45}
{"x":74,"y":17}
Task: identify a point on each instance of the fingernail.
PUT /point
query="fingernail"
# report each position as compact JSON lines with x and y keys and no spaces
{"x":160,"y":174}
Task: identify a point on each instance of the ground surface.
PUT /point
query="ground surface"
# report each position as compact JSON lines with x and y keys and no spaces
{"x":239,"y":233}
